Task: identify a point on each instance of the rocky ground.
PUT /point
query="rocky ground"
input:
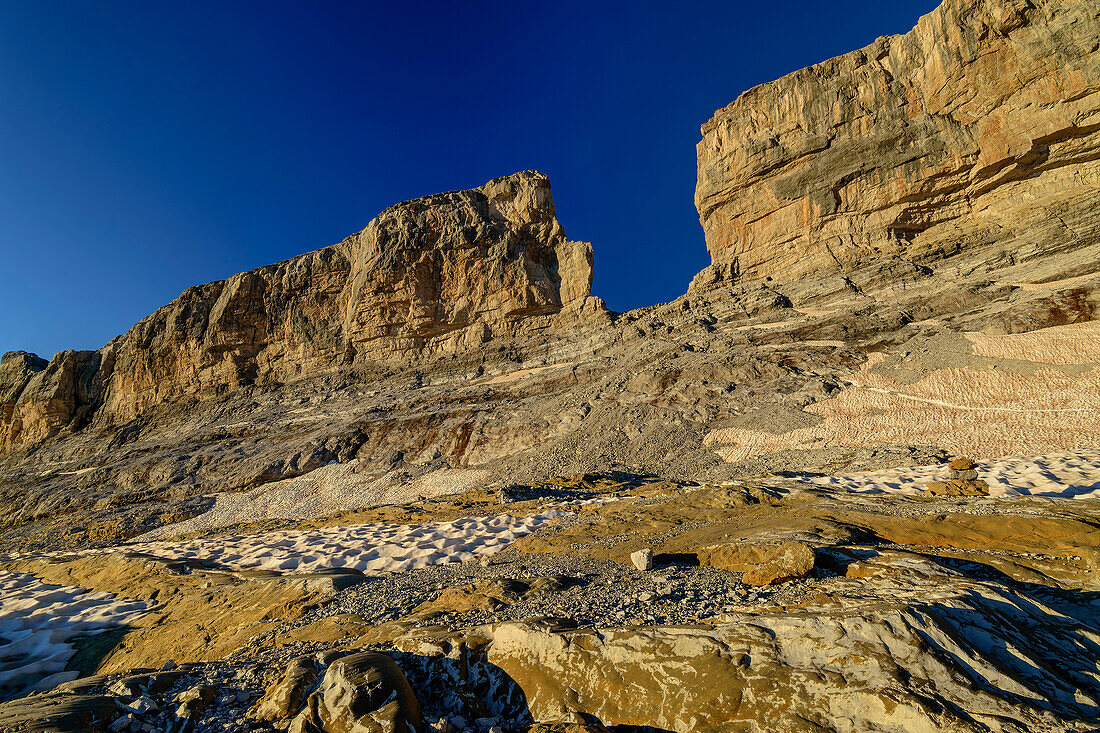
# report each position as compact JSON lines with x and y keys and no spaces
{"x":753,"y":605}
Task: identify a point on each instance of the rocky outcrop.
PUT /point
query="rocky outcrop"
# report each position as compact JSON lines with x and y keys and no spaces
{"x":16,"y":369}
{"x":39,"y":399}
{"x":975,"y":134}
{"x":919,"y":647}
{"x":818,"y":668}
{"x":437,"y":274}
{"x":362,"y":693}
{"x":922,"y":614}
{"x":789,"y":561}
{"x":287,"y":695}
{"x":58,"y":712}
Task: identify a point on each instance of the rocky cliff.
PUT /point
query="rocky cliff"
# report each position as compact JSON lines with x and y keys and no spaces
{"x":976,"y":134}
{"x":373,"y":447}
{"x":437,"y":274}
{"x":890,"y":231}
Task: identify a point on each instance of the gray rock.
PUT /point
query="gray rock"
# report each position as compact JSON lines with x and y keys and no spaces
{"x":141,"y":705}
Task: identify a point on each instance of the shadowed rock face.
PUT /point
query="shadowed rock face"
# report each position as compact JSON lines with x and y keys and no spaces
{"x":437,"y":274}
{"x":977,"y":133}
{"x":39,"y":398}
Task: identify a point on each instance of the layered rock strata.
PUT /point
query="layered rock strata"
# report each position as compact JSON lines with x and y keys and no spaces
{"x":975,"y":134}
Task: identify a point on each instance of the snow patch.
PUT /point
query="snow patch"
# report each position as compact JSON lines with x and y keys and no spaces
{"x":1070,"y":475}
{"x":38,"y":622}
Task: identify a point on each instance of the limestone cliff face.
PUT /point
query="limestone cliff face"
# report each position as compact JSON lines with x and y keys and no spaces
{"x":440,"y":273}
{"x":977,"y":132}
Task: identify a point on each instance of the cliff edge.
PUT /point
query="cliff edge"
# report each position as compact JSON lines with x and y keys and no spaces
{"x":970,"y":143}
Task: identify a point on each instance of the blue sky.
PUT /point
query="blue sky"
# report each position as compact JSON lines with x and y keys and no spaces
{"x":147,"y":147}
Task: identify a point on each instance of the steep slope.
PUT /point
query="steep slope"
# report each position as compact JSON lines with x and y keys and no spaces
{"x":969,"y":144}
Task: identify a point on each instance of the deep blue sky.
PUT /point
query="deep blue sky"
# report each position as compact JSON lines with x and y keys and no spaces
{"x":149,"y":146}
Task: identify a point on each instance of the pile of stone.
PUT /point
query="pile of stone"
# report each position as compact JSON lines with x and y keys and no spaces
{"x":964,"y":481}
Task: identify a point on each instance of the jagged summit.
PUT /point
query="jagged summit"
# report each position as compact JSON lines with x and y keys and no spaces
{"x":441,"y":273}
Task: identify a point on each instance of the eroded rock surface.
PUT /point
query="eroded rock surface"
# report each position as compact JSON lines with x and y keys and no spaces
{"x":788,"y":561}
{"x":362,"y":693}
{"x":905,"y":248}
{"x":918,"y":613}
{"x":969,"y":144}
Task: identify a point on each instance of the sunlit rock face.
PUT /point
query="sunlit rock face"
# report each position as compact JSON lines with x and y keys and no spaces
{"x":977,"y":133}
{"x":906,"y":260}
{"x":438,"y":274}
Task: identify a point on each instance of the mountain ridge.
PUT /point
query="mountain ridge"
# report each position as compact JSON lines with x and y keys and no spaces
{"x":497,"y":257}
{"x":394,"y":341}
{"x":423,"y":480}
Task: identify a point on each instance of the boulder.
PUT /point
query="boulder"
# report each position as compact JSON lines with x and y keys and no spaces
{"x":362,"y":693}
{"x":738,"y":557}
{"x":287,"y":695}
{"x":963,"y":469}
{"x":194,"y":700}
{"x":958,"y":487}
{"x":642,"y":559}
{"x":789,"y":561}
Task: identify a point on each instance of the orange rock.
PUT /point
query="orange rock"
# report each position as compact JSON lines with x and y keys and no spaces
{"x":789,"y":561}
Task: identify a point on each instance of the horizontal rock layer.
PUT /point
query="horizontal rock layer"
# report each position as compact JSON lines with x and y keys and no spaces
{"x":440,"y":273}
{"x":976,"y":133}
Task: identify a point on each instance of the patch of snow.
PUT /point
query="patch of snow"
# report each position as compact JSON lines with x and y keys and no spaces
{"x":38,"y":622}
{"x":1070,"y":475}
{"x":368,"y":547}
